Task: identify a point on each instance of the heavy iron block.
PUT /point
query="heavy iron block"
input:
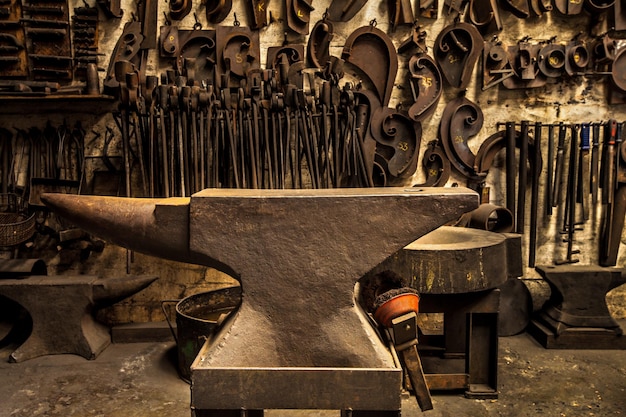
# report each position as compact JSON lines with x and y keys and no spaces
{"x":576,"y":315}
{"x":61,"y":310}
{"x":299,"y":339}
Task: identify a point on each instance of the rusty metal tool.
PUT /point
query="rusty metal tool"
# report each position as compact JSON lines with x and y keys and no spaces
{"x":425,"y":78}
{"x":112,"y":8}
{"x":582,"y":193}
{"x":257,"y":13}
{"x":485,"y":15}
{"x":179,"y":8}
{"x":372,"y":51}
{"x":344,"y":10}
{"x":228,"y":229}
{"x":217,"y":10}
{"x":45,"y":32}
{"x":522,"y":178}
{"x":608,"y":162}
{"x":510,"y":166}
{"x":402,"y":13}
{"x":457,"y":49}
{"x":299,"y":15}
{"x":318,"y":47}
{"x":496,"y":65}
{"x":560,"y":162}
{"x":569,"y":216}
{"x":593,"y":179}
{"x":548,"y":202}
{"x":614,"y":209}
{"x":534,"y":196}
{"x":149,"y":23}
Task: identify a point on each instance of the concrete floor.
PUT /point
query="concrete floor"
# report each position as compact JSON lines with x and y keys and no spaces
{"x":140,"y":379}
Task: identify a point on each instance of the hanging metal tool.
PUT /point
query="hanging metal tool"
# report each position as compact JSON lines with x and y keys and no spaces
{"x":344,"y":10}
{"x":299,"y":15}
{"x":569,"y":216}
{"x":372,"y":51}
{"x":582,"y":193}
{"x":457,"y":49}
{"x":534,"y":196}
{"x":560,"y":162}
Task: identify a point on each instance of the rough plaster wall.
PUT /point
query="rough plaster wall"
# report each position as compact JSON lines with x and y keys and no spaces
{"x":581,"y":99}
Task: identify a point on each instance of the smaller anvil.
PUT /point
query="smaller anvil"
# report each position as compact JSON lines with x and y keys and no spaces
{"x":298,"y":255}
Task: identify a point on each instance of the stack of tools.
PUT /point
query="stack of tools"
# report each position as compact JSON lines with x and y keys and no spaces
{"x":85,"y":44}
{"x":47,"y":28}
{"x":13,"y":61}
{"x":582,"y":160}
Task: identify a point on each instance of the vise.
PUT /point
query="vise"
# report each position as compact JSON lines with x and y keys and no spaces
{"x":299,"y":340}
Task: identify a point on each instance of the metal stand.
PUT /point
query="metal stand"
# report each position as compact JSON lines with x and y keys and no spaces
{"x":466,"y":356}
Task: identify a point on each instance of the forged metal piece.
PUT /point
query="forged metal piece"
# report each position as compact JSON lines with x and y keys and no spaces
{"x":257,"y":13}
{"x":491,"y":218}
{"x":578,"y":57}
{"x":299,"y":15}
{"x":367,"y":104}
{"x":127,"y":49}
{"x":238,"y":53}
{"x":344,"y":10}
{"x":454,"y":5}
{"x":619,"y":15}
{"x":618,"y":69}
{"x":552,"y":60}
{"x":485,"y":15}
{"x":456,"y":51}
{"x":524,"y":59}
{"x":179,"y":9}
{"x":599,"y":6}
{"x":461,"y":120}
{"x":437,"y":166}
{"x":197,"y":54}
{"x":398,"y":139}
{"x":229,"y":229}
{"x":426,"y":86}
{"x":319,"y":43}
{"x":496,"y":65}
{"x":569,"y":7}
{"x":217,"y":10}
{"x":372,"y":52}
{"x":61,"y":309}
{"x":293,"y":53}
{"x":402,"y":13}
{"x":518,"y":7}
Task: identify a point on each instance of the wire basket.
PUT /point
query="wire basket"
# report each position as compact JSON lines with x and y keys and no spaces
{"x":15,"y":227}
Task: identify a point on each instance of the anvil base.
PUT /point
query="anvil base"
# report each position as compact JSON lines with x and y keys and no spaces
{"x":576,"y":337}
{"x":216,"y":392}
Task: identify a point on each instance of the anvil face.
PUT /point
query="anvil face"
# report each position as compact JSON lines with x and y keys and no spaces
{"x":297,"y":253}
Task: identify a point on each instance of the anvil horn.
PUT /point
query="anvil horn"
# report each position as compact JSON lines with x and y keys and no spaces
{"x":157,"y":227}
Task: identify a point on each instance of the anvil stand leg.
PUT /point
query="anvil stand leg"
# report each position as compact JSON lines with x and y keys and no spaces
{"x":576,"y":315}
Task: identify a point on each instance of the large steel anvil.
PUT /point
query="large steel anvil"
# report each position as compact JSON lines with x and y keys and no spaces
{"x":299,"y":338}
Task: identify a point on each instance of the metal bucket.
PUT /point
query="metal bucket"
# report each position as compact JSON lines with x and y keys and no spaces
{"x":198,"y":317}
